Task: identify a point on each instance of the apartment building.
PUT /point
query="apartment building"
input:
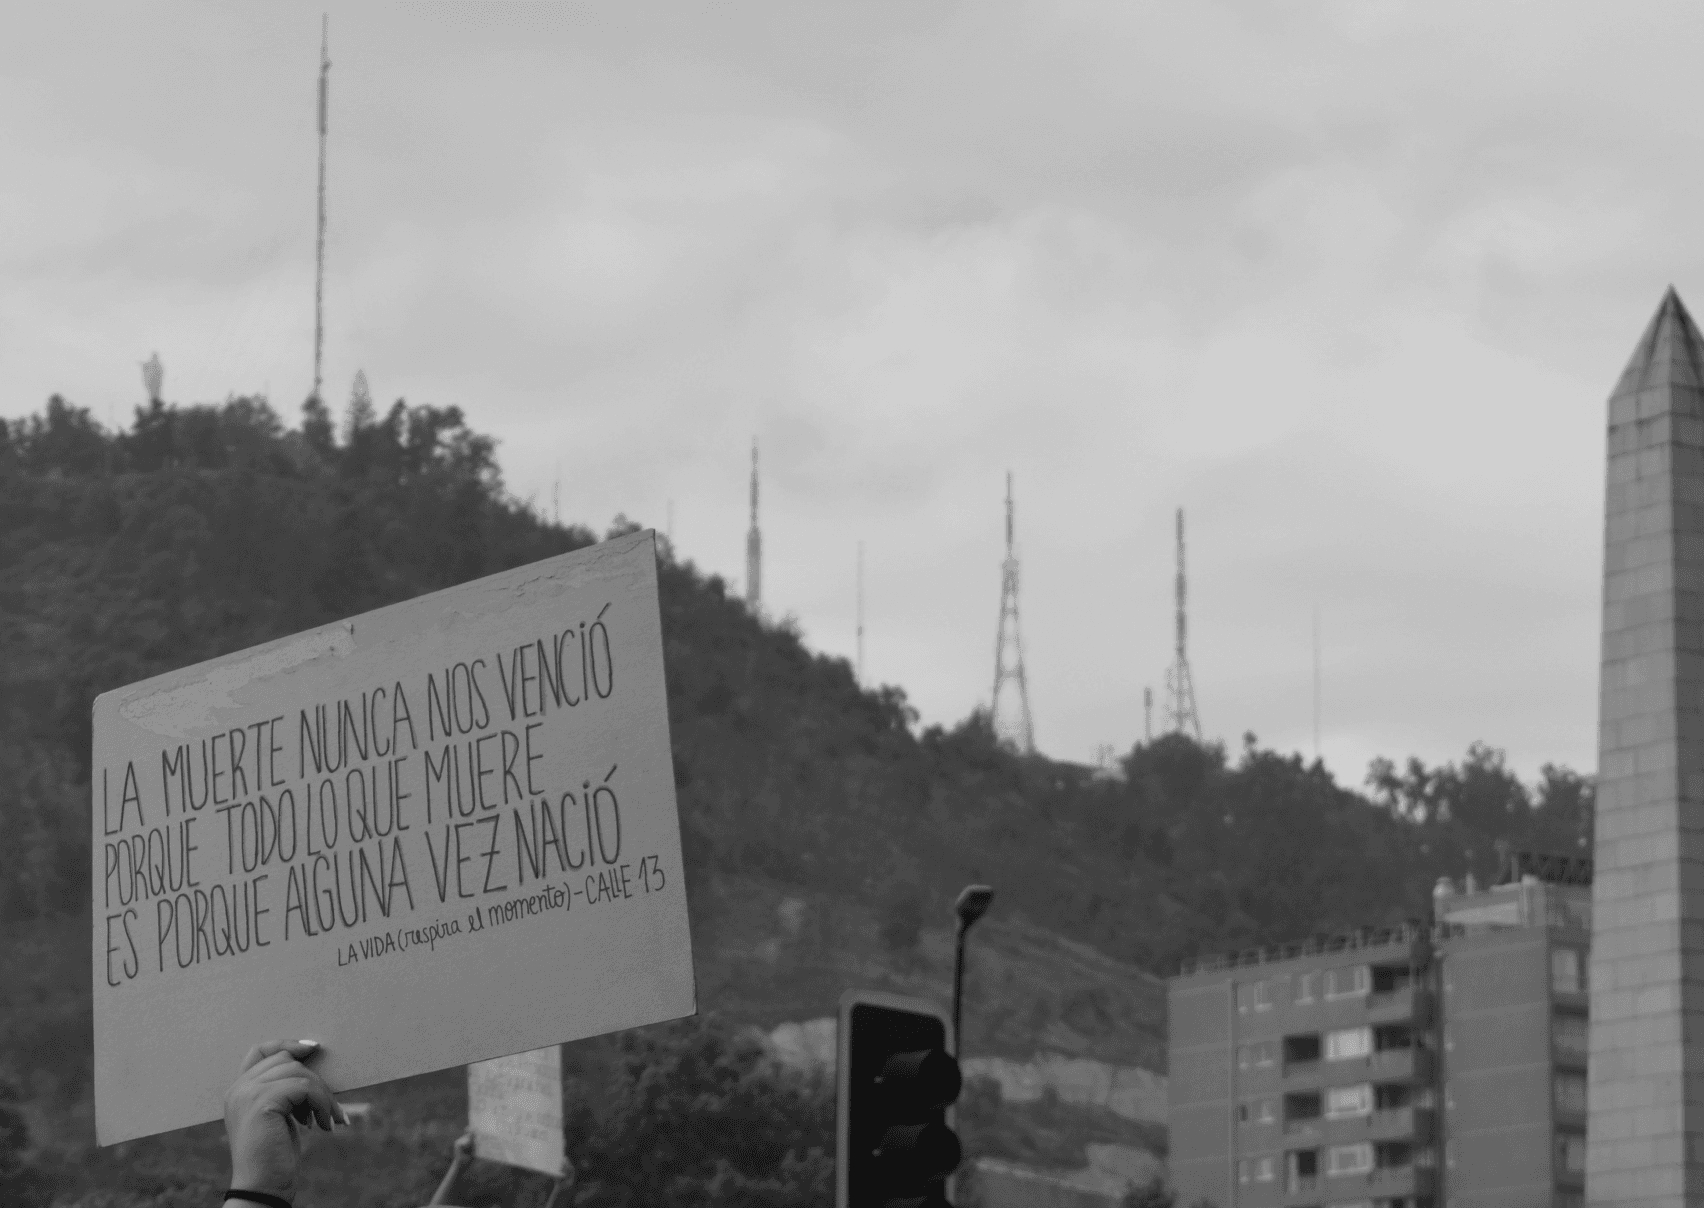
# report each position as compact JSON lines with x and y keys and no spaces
{"x":1422,"y":1066}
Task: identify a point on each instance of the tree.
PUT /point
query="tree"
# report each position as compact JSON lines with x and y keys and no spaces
{"x":21,"y":1185}
{"x":316,"y":425}
{"x":64,"y":440}
{"x":360,"y":413}
{"x":700,"y":1116}
{"x":1564,"y":813}
{"x":1412,"y":795}
{"x":901,"y":923}
{"x":1483,"y":794}
{"x":1152,"y":1194}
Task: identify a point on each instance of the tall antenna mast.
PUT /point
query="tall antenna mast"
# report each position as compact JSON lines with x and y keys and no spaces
{"x":860,"y":614}
{"x":1147,"y":715}
{"x":754,"y":544}
{"x":556,"y":497}
{"x":1011,"y":721}
{"x":1179,"y":683}
{"x":319,"y":262}
{"x":1316,"y":680}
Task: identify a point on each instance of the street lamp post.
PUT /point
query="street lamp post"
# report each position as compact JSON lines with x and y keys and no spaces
{"x":972,"y":904}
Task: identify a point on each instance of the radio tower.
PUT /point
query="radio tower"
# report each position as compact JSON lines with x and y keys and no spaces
{"x":754,"y":544}
{"x":1180,"y":687}
{"x":319,"y":262}
{"x":860,"y":614}
{"x":1012,"y":722}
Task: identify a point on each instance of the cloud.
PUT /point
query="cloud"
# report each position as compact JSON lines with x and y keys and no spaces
{"x":1348,"y":281}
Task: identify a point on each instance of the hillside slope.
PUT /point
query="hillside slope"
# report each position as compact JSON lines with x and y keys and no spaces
{"x":825,"y":836}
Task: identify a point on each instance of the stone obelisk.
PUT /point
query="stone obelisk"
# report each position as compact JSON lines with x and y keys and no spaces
{"x":1645,"y":1144}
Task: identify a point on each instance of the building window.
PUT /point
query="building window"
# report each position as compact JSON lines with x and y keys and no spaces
{"x":1571,"y":1092}
{"x":1342,"y":1101}
{"x":1347,"y":983}
{"x":1391,"y":979}
{"x":1298,"y":1108}
{"x":1349,"y":1159}
{"x":1572,"y":1036}
{"x":1397,"y":1036}
{"x":1257,"y":1111}
{"x":1245,"y":995}
{"x":1257,"y":995}
{"x":1571,"y":1153}
{"x":1567,"y":971}
{"x":1255,"y":1056}
{"x":1304,"y":1170}
{"x":1242,"y":1170}
{"x":1265,"y":1169}
{"x":1393,"y":1155}
{"x":1346,"y":1043}
{"x":1301,"y":1050}
{"x":1389,"y":1096}
{"x":1306,"y":986}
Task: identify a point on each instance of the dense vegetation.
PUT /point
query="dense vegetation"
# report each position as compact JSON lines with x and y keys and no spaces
{"x":200,"y":530}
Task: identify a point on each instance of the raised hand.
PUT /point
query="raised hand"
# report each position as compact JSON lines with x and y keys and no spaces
{"x":274,"y":1097}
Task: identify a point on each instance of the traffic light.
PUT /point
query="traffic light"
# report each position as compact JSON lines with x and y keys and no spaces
{"x":896,"y":1082}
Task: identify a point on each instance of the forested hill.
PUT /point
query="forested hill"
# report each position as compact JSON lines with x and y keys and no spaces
{"x":201,"y":530}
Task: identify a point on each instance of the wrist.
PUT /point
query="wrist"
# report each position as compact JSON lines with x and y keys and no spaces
{"x":239,"y":1196}
{"x":274,"y":1188}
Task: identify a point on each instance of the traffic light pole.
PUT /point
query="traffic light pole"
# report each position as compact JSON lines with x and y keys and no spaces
{"x":972,"y":904}
{"x":958,"y":993}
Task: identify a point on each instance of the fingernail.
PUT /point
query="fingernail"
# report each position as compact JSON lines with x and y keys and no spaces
{"x":312,"y":1044}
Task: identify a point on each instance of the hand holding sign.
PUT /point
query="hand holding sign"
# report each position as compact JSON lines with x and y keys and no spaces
{"x":275,"y":1095}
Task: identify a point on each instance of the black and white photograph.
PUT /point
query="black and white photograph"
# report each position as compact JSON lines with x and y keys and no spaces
{"x":889,"y":605}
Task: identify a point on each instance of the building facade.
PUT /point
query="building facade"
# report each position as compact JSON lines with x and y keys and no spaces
{"x":1439,"y":1066}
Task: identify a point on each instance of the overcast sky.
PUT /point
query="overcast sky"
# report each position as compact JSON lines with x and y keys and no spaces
{"x":1349,"y":282}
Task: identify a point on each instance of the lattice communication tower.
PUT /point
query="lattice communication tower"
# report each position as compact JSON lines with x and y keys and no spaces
{"x":1180,"y":686}
{"x":1009,"y":710}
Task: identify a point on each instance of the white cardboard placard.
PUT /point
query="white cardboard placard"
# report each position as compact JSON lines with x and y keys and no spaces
{"x":514,"y":1110}
{"x":433,"y":834}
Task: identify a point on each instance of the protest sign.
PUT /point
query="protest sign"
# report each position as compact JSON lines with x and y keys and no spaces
{"x":514,"y":1110}
{"x":433,"y":834}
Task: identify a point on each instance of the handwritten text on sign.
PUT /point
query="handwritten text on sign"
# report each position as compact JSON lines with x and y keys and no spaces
{"x":437,"y":833}
{"x":514,"y":1110}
